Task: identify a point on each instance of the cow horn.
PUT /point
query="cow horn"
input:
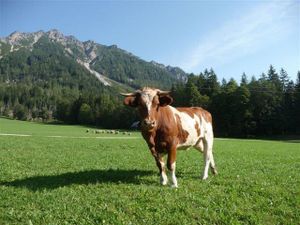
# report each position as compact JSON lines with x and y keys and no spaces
{"x":130,"y":94}
{"x":163,"y":92}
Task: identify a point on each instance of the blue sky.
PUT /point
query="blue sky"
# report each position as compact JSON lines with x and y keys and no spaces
{"x":232,"y":37}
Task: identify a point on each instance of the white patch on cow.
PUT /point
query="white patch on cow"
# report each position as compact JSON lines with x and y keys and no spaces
{"x":174,"y":179}
{"x":147,"y":96}
{"x":163,"y":175}
{"x":188,"y":124}
{"x":208,"y":145}
{"x":148,"y":100}
{"x":199,"y":146}
{"x":163,"y":178}
{"x":208,"y":131}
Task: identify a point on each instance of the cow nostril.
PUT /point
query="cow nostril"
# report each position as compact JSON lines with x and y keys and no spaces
{"x":149,"y":123}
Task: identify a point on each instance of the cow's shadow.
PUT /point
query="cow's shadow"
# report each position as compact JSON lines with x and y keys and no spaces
{"x":82,"y":177}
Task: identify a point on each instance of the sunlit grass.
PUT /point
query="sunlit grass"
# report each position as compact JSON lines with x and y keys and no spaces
{"x":115,"y":181}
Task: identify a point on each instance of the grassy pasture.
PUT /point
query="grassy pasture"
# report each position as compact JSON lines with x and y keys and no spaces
{"x":69,"y":180}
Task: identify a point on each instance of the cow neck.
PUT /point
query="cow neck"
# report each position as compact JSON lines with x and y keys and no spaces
{"x":164,"y":117}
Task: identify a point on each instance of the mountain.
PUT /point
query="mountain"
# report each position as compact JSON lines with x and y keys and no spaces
{"x":47,"y":75}
{"x":110,"y":64}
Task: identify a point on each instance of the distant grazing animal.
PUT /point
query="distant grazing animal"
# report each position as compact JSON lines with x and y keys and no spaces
{"x":167,"y":129}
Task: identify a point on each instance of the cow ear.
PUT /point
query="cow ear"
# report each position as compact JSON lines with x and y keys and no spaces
{"x":165,"y":100}
{"x":131,"y":101}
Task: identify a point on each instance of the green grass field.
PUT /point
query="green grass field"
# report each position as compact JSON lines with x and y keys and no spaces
{"x":80,"y":179}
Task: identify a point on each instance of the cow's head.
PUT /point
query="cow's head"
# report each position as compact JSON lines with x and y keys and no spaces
{"x":148,"y":101}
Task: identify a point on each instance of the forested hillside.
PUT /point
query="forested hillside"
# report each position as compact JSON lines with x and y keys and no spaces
{"x":47,"y":76}
{"x":269,"y":105}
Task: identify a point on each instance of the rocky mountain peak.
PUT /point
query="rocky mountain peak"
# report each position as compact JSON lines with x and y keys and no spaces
{"x":15,"y":37}
{"x":55,"y":34}
{"x":158,"y":64}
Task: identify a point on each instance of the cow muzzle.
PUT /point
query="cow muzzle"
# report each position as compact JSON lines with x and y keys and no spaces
{"x":148,"y":124}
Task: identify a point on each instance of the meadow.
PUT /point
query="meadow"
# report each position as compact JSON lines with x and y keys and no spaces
{"x":59,"y":174}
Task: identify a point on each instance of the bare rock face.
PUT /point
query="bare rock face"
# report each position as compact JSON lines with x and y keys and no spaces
{"x":18,"y":38}
{"x":15,"y":37}
{"x":56,"y":35}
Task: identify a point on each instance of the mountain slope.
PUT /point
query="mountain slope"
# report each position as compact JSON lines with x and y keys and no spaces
{"x":109,"y":64}
{"x":46,"y":75}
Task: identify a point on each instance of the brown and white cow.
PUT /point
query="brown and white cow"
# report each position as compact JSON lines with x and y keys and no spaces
{"x":167,"y":129}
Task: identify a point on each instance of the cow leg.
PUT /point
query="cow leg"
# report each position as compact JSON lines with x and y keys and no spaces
{"x":162,"y":170}
{"x":159,"y":159}
{"x":208,"y":157}
{"x":171,"y":164}
{"x":206,"y":164}
{"x":213,"y":165}
{"x":207,"y":153}
{"x":206,"y":148}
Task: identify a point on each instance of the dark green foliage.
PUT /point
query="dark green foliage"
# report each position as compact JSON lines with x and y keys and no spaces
{"x":85,"y":114}
{"x":5,"y":48}
{"x":129,"y":69}
{"x":267,"y":106}
{"x":296,"y":105}
{"x":193,"y":95}
{"x":20,"y":112}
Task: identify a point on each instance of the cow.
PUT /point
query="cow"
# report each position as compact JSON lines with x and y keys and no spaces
{"x":166,"y":129}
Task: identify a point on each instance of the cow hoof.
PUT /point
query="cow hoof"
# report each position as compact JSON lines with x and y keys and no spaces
{"x":163,"y":182}
{"x":174,"y":186}
{"x":204,"y":178}
{"x":214,"y":170}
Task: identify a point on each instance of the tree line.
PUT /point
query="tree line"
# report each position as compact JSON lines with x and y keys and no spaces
{"x":269,"y":105}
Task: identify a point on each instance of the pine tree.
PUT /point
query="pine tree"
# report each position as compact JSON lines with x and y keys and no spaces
{"x":194,"y":96}
{"x":244,"y":80}
{"x":273,"y":77}
{"x":297,"y":104}
{"x":284,"y":79}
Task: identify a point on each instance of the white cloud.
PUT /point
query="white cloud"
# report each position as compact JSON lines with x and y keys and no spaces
{"x":267,"y":23}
